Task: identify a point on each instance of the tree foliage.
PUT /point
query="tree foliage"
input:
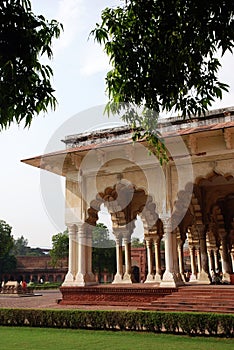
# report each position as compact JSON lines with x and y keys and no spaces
{"x":164,"y":55}
{"x":7,"y":260}
{"x":21,"y":248}
{"x":6,"y":239}
{"x":60,"y":247}
{"x":136,"y":243}
{"x":25,"y":87}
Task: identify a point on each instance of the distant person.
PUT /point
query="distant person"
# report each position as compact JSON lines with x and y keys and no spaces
{"x":24,"y":286}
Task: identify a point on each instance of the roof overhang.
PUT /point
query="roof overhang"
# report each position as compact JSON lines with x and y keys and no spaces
{"x":57,"y":162}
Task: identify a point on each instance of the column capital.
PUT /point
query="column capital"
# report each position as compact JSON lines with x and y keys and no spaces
{"x":191,"y":248}
{"x":148,"y":241}
{"x":126,"y":235}
{"x":118,"y":240}
{"x":126,"y":239}
{"x":222,"y":234}
{"x":157,"y":239}
{"x":72,"y":228}
{"x":201,"y":231}
{"x":118,"y":233}
{"x":180,"y":244}
{"x":167,"y":223}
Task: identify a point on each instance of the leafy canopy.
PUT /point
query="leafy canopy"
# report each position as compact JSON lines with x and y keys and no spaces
{"x":60,"y":247}
{"x":21,"y":248}
{"x":25,"y":87}
{"x":6,"y":239}
{"x":7,"y":260}
{"x":164,"y":55}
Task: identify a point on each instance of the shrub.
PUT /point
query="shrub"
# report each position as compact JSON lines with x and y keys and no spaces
{"x":43,"y":286}
{"x":151,"y":321}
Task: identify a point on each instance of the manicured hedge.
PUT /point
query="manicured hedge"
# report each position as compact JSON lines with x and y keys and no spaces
{"x":170,"y":322}
{"x":45,"y":286}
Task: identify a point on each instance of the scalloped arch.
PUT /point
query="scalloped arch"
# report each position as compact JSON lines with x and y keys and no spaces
{"x":124,"y":202}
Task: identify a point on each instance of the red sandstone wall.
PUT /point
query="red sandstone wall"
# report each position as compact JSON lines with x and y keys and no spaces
{"x":38,"y":262}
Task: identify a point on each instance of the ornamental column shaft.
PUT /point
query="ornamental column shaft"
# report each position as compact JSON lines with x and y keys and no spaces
{"x":216,"y":259}
{"x":225,"y":258}
{"x":82,"y":266}
{"x":193,"y":276}
{"x":72,"y":257}
{"x":89,"y":248}
{"x":127,"y":253}
{"x":204,"y":273}
{"x":198,"y":260}
{"x":170,"y":279}
{"x":232,"y":258}
{"x":211,"y":261}
{"x":150,"y":275}
{"x":181,"y":257}
{"x":157,"y":259}
{"x":119,"y":259}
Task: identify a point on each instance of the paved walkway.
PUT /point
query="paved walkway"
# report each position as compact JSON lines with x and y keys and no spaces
{"x":47,"y":300}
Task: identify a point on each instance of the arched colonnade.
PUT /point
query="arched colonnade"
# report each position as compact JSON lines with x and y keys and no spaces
{"x":207,"y":230}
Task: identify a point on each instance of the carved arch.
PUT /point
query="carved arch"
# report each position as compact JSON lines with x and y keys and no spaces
{"x":124,"y":202}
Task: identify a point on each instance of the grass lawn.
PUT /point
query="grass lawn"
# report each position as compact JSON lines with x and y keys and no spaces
{"x":67,"y":339}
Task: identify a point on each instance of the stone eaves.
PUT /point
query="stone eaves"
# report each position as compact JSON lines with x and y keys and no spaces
{"x":81,"y":143}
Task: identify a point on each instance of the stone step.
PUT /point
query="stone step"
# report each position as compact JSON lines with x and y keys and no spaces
{"x":202,"y":304}
{"x":204,"y":298}
{"x":221,"y":307}
{"x":185,"y":309}
{"x":204,"y":293}
{"x":197,"y":298}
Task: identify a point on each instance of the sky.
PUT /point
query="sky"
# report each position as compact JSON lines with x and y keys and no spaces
{"x":79,"y":66}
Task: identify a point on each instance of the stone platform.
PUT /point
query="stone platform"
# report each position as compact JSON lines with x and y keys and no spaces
{"x":124,"y":295}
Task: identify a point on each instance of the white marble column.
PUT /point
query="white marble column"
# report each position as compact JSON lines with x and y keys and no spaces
{"x":232,"y":258}
{"x":119,"y":259}
{"x":157,"y":253}
{"x":170,"y":278}
{"x":198,"y":251}
{"x":210,"y":261}
{"x":81,"y":277}
{"x":180,"y":248}
{"x":150,"y":275}
{"x":127,"y":253}
{"x":224,"y":257}
{"x":193,"y":276}
{"x":89,"y":249}
{"x":216,"y":260}
{"x":72,"y":257}
{"x":204,"y":272}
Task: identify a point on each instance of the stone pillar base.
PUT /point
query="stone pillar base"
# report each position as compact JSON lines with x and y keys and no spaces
{"x":149,"y":278}
{"x":127,"y":278}
{"x":158,"y":278}
{"x":69,"y":280}
{"x":193,"y":278}
{"x":171,"y":280}
{"x":203,"y":278}
{"x":81,"y":280}
{"x":117,"y":279}
{"x":226,"y":278}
